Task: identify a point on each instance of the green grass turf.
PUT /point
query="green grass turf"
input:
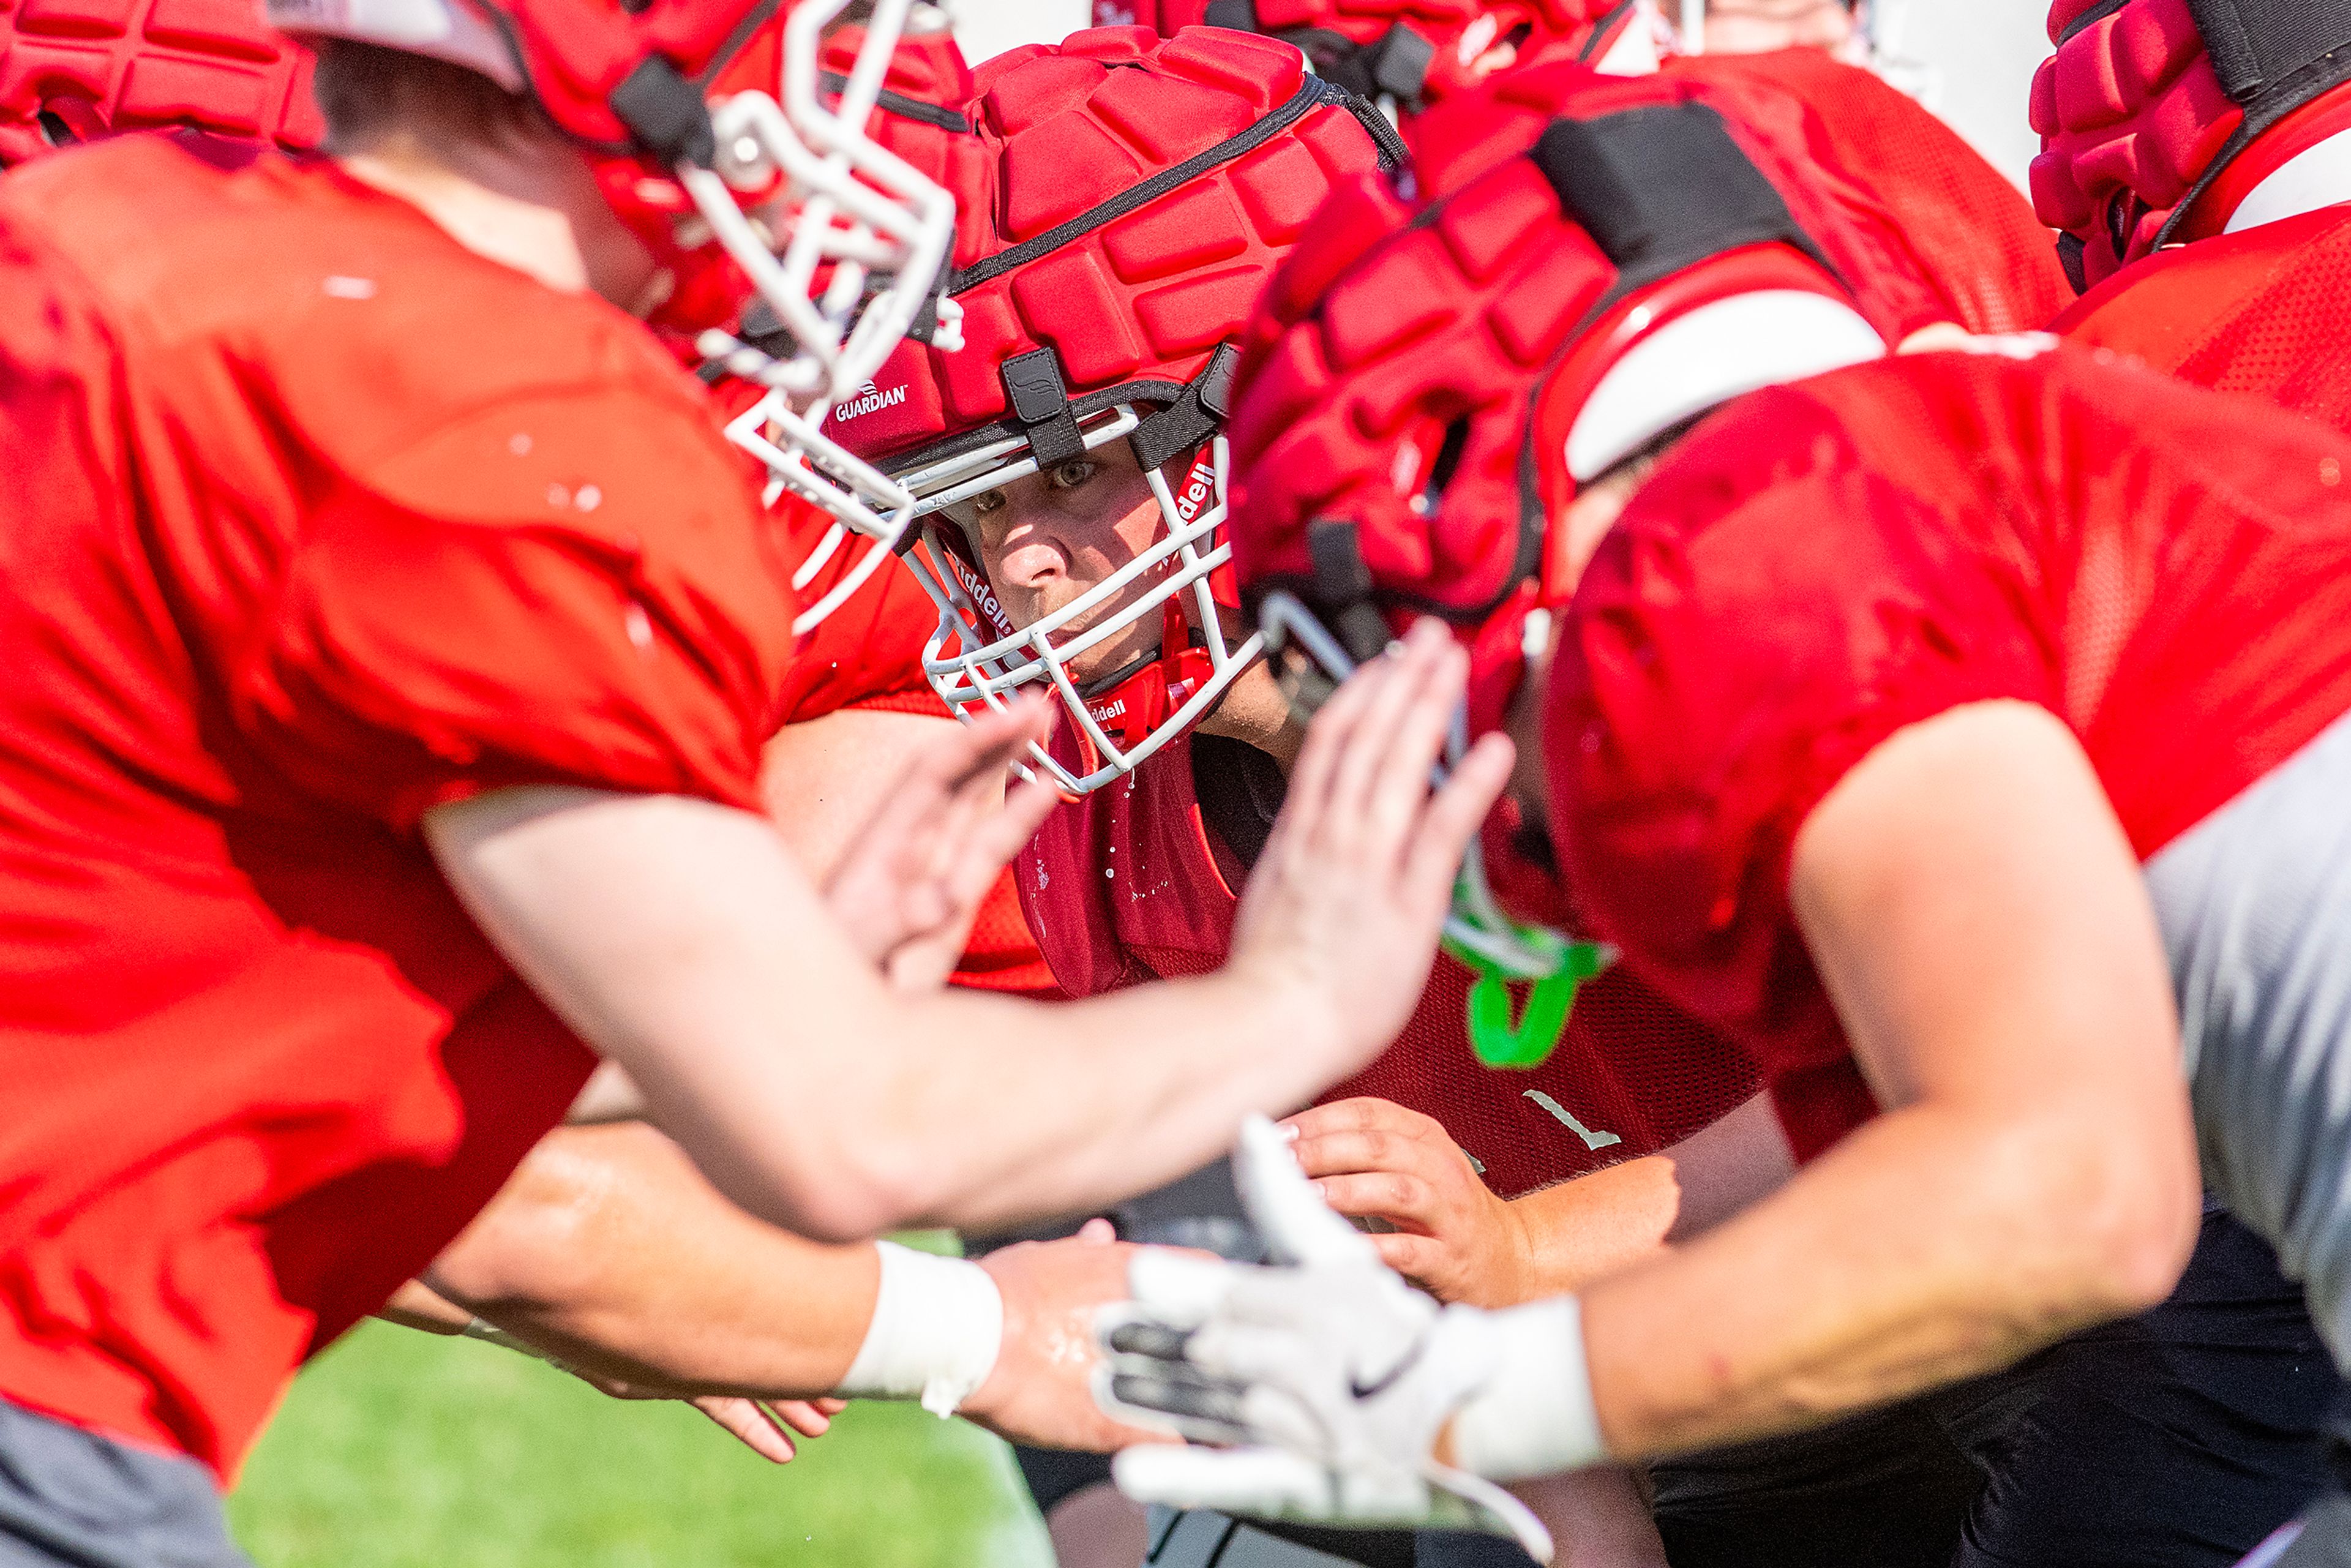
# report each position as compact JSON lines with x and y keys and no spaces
{"x":398,"y":1449}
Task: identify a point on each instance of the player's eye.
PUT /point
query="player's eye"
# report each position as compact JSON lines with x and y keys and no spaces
{"x":1072,"y":473}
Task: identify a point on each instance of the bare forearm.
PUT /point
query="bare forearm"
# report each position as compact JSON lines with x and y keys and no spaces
{"x":1046,"y":1110}
{"x":1593,"y":1225}
{"x":417,"y":1306}
{"x":612,"y":1252}
{"x":1931,"y":1245}
{"x":1583,"y":1229}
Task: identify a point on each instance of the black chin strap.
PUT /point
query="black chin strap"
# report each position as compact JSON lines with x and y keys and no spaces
{"x":1192,"y":418}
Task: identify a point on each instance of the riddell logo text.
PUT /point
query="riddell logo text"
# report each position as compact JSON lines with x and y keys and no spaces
{"x":1195,"y":498}
{"x":981,"y":594}
{"x":1103,"y":713}
{"x":869,"y":399}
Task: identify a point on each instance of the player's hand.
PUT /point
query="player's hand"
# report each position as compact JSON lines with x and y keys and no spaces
{"x":1348,"y":898}
{"x":766,"y":1427}
{"x":1325,"y":1383}
{"x":1041,"y":1390}
{"x":1374,"y":1159}
{"x":908,"y":887}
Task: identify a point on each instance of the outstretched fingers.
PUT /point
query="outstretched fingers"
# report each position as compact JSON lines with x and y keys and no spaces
{"x":1433,"y":859}
{"x":1380,"y":781}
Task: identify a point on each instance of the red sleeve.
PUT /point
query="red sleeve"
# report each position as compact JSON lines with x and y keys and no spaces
{"x":578,"y":588}
{"x":1767,"y":610}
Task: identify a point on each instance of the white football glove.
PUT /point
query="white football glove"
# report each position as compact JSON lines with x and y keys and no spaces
{"x":1323,"y":1384}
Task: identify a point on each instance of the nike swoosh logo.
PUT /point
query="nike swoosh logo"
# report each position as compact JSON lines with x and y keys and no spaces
{"x":1592,"y":1140}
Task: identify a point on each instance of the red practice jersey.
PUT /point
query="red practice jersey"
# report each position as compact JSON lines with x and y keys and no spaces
{"x":2267,"y":311}
{"x":1132,"y":882}
{"x":1969,"y":233}
{"x":1818,"y":566}
{"x":312,"y":520}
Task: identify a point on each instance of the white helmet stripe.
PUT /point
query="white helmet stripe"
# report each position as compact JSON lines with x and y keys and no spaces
{"x":1709,"y":355}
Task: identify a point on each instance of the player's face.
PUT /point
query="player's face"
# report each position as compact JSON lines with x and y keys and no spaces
{"x":1045,"y":540}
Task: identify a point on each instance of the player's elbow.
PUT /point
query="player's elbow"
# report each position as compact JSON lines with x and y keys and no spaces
{"x":2121,"y":1200}
{"x":533,"y":1247}
{"x":861,"y":1187}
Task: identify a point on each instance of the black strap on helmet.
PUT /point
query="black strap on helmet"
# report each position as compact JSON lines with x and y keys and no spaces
{"x":1041,"y":401}
{"x":1192,"y":417}
{"x":1343,"y":589}
{"x":666,"y":113}
{"x":1663,"y":187}
{"x":891,"y":101}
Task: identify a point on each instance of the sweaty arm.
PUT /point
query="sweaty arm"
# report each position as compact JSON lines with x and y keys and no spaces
{"x":681,"y":939}
{"x":1977,"y":916}
{"x":608,"y":1251}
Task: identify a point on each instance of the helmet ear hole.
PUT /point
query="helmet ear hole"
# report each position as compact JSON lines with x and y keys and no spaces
{"x":1447,"y":463}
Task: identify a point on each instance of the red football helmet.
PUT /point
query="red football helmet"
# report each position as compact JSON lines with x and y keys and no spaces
{"x":1140,"y":192}
{"x":1434,"y":376}
{"x":2148,"y":108}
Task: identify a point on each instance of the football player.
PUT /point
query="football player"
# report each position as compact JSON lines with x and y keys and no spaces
{"x":1923,"y":212}
{"x":655,"y":1275}
{"x":1878,"y":721}
{"x":393,"y":638}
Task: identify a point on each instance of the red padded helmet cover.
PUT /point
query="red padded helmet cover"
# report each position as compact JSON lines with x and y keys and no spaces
{"x":1126,"y":298}
{"x":1516,"y":30}
{"x":1388,"y":380}
{"x":104,"y":67}
{"x":2130,"y":113}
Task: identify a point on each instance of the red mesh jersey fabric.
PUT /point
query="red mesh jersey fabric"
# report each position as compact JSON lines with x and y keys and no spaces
{"x":2266,"y":312}
{"x":2129,"y":113}
{"x":1469,"y":39}
{"x":1121,"y":296}
{"x":1402,"y":328}
{"x":1630,"y":1076}
{"x":1965,"y":229}
{"x":100,"y":67}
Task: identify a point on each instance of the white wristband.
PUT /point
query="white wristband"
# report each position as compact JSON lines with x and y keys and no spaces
{"x":936,"y":1326}
{"x":1535,"y":1418}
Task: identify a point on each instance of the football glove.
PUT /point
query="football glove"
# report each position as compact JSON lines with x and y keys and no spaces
{"x":1322,"y":1384}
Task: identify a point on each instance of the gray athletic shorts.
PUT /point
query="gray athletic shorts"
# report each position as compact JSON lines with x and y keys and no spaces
{"x":70,"y":1497}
